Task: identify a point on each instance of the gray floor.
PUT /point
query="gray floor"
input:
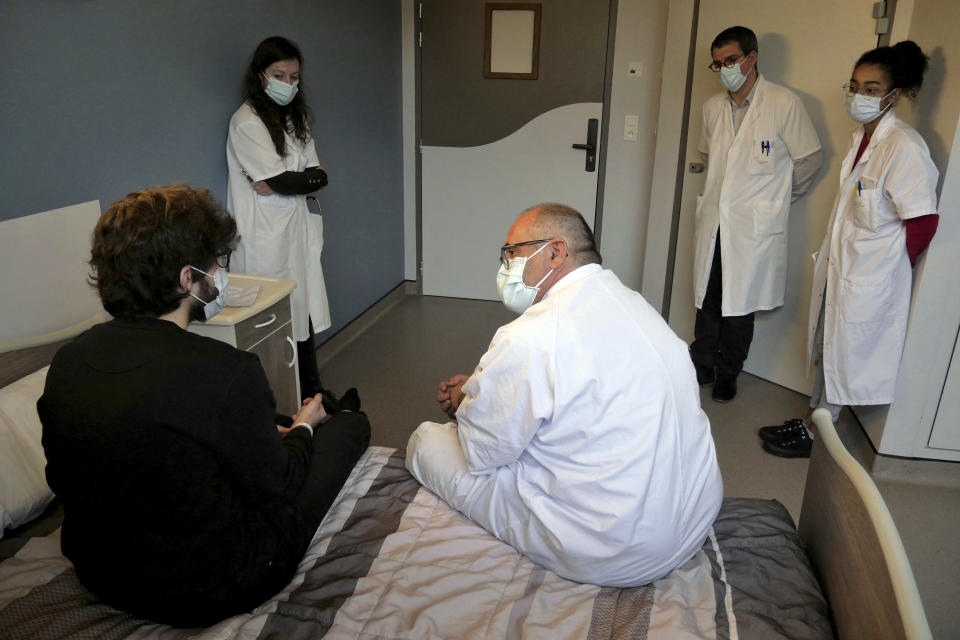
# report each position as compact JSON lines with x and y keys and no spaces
{"x":398,"y":361}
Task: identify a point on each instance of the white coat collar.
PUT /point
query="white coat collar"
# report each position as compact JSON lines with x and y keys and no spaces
{"x":753,"y":95}
{"x":577,"y":274}
{"x":754,"y":99}
{"x":888,"y":122}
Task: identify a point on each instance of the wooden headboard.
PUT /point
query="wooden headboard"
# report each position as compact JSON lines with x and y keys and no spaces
{"x":854,"y":546}
{"x":22,"y":357}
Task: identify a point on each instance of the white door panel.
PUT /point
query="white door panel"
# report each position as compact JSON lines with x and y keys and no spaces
{"x":471,"y":196}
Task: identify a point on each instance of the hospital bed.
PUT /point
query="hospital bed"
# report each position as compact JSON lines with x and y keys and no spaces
{"x":391,"y":560}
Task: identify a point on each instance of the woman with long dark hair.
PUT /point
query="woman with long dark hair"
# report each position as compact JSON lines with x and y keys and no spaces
{"x":273,"y":165}
{"x":884,"y":216}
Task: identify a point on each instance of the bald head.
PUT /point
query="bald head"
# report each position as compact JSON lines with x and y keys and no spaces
{"x":557,"y":220}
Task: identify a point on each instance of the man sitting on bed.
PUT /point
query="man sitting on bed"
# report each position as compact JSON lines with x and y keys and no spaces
{"x":184,"y":502}
{"x":579,"y":438}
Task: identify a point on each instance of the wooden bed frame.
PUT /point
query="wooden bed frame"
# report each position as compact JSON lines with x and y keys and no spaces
{"x":854,"y":547}
{"x":19,"y":358}
{"x":850,"y":536}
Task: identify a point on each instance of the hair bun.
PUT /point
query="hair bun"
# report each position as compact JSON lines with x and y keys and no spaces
{"x":912,"y":65}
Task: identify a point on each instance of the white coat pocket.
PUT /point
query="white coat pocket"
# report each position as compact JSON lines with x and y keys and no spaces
{"x":865,"y":208}
{"x":865,"y":300}
{"x":761,"y":156}
{"x":267,"y":252}
{"x":768,"y":219}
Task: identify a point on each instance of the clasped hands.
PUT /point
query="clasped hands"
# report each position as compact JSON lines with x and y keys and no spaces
{"x":451,"y":395}
{"x":311,"y":412}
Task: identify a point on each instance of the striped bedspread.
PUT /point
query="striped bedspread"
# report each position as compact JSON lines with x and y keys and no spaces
{"x":393,"y":561}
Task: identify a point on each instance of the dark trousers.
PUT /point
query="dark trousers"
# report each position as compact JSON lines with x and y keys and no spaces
{"x":719,"y":341}
{"x":307,"y":357}
{"x":337,"y":445}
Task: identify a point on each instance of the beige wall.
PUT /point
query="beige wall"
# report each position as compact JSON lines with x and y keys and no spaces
{"x":640,"y":37}
{"x":671,"y":118}
{"x":935,"y":26}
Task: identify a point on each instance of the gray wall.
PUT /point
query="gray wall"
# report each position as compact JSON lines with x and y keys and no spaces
{"x":103,"y":97}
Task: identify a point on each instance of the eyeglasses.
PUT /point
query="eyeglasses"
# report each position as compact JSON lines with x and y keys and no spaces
{"x":223,"y":261}
{"x":506,"y":251}
{"x":850,"y":90}
{"x":729,"y":62}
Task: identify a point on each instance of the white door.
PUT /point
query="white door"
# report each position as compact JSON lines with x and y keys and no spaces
{"x":491,"y":147}
{"x":809,"y":47}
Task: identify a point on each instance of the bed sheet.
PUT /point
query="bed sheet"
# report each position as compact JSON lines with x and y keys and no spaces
{"x":391,"y":560}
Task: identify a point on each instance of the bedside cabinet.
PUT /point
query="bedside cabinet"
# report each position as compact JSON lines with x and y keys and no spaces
{"x":265,"y":329}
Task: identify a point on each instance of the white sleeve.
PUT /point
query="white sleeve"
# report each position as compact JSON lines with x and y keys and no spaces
{"x":910,"y":181}
{"x":703,"y":146}
{"x":255,"y":151}
{"x":310,"y":150}
{"x":796,"y":130}
{"x":508,"y":397}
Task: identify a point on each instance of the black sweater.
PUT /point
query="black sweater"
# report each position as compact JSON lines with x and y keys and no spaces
{"x":176,"y":486}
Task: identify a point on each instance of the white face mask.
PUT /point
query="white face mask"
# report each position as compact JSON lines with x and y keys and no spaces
{"x":514,"y":294}
{"x":865,"y":109}
{"x":281,"y":92}
{"x":222,"y":282}
{"x":731,"y":77}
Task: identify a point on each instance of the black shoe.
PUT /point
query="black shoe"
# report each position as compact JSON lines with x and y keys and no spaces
{"x":798,"y":446}
{"x":331,"y":404}
{"x":777,"y":432}
{"x":705,"y":376}
{"x":350,"y":400}
{"x":725,"y":388}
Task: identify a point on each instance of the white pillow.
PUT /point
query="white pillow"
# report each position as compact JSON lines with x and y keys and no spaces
{"x":23,"y":487}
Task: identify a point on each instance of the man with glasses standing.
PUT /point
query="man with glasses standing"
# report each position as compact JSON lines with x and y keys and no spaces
{"x":762,"y":153}
{"x":579,"y":437}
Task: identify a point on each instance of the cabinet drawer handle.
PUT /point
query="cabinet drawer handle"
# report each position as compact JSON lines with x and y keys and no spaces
{"x":293,"y":349}
{"x":273,"y":318}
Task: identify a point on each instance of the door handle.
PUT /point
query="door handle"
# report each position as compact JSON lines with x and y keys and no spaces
{"x":591,"y":146}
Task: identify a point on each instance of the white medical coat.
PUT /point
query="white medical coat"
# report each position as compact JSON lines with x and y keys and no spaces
{"x":279,"y":237}
{"x":864,"y":266}
{"x":747,"y":196}
{"x":585,"y":442}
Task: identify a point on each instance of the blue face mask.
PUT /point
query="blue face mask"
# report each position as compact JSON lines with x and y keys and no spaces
{"x":732,"y":78}
{"x":281,"y":92}
{"x":865,"y":109}
{"x":222,"y":282}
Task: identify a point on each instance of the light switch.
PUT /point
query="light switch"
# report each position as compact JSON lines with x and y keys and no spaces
{"x":635,"y":70}
{"x":631,"y":125}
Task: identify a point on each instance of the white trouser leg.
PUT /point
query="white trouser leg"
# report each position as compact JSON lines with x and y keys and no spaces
{"x":435,"y":458}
